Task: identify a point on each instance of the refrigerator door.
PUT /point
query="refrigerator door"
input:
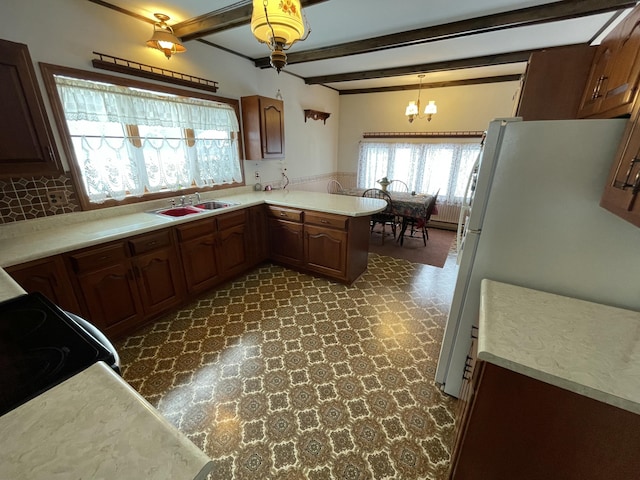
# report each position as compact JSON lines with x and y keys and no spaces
{"x":449,"y":371}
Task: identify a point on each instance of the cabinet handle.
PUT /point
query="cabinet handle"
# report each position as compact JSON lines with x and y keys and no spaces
{"x":596,"y":90}
{"x":51,"y":155}
{"x":152,"y":243}
{"x":105,"y":257}
{"x":626,"y":183}
{"x":324,"y":221}
{"x":283,"y":214}
{"x":474,"y":331}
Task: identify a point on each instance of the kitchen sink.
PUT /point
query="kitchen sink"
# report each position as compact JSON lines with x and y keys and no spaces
{"x":178,"y":211}
{"x":214,"y":205}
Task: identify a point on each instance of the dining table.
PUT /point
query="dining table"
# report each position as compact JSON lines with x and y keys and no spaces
{"x":403,"y":204}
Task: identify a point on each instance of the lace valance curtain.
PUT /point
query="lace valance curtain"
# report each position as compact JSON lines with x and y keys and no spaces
{"x":425,"y":168}
{"x":129,"y":141}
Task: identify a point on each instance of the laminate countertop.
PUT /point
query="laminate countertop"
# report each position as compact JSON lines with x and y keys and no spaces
{"x":95,"y":426}
{"x":583,"y":347}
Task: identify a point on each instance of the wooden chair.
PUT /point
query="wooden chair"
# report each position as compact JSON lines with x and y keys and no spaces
{"x":334,"y":186}
{"x":420,"y":223}
{"x":386,"y":216}
{"x":398,"y":186}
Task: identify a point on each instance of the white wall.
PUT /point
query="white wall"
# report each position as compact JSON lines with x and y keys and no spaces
{"x":66,"y":32}
{"x":459,"y":108}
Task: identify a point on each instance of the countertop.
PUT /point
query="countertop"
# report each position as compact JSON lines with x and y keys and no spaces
{"x":583,"y":347}
{"x":95,"y":426}
{"x":35,"y":239}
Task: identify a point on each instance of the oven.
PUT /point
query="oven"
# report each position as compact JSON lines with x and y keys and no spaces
{"x":41,"y":345}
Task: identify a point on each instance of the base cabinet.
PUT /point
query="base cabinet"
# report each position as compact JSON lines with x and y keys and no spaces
{"x":49,"y":277}
{"x":286,"y":241}
{"x":519,"y":427}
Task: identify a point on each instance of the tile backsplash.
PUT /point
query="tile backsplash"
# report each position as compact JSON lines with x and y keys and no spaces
{"x":36,"y":197}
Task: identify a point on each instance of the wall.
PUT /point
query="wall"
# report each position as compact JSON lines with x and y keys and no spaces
{"x":66,"y":32}
{"x":459,"y":108}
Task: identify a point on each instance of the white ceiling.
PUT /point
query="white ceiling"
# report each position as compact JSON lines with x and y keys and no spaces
{"x":338,"y":21}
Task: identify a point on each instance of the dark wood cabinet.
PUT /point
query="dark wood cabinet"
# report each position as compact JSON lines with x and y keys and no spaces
{"x":520,"y":427}
{"x":612,"y":85}
{"x":27,"y":147}
{"x":124,"y":284}
{"x":257,"y":242}
{"x":554,"y":81}
{"x":286,"y":241}
{"x":214,"y":249}
{"x":49,"y":277}
{"x":263,"y":127}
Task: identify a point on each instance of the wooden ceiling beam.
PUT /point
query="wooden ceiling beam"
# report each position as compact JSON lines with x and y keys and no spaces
{"x":450,"y":83}
{"x":549,"y":12}
{"x":209,"y":23}
{"x":483,"y":61}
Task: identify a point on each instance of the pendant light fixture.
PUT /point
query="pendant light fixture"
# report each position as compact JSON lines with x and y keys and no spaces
{"x":413,"y":109}
{"x":163,"y":38}
{"x":278,"y":24}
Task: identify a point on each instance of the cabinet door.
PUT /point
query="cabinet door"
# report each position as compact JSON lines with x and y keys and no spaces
{"x":286,"y":242}
{"x":592,"y":97}
{"x":263,"y":127}
{"x":26,"y":141}
{"x":326,"y":250}
{"x":112,"y":298}
{"x":49,"y":277}
{"x":620,"y":85}
{"x":159,"y":280}
{"x":200,"y":263}
{"x":232,"y":250}
{"x":257,"y":242}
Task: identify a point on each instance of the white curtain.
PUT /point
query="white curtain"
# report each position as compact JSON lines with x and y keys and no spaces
{"x":179,"y":141}
{"x":425,"y":167}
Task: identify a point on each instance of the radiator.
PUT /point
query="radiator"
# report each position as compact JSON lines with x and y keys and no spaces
{"x":447,"y":214}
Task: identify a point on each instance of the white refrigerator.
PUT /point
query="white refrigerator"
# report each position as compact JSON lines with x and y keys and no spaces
{"x":535,"y":221}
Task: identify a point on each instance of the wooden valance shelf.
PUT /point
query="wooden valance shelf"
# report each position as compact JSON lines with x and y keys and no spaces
{"x":120,"y":65}
{"x":316,"y":115}
{"x":458,"y":134}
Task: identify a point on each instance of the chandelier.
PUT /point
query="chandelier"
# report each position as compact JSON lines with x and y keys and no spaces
{"x":278,"y":24}
{"x":413,"y":109}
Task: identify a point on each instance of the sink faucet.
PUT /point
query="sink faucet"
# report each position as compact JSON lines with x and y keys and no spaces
{"x":197,"y":194}
{"x":182,"y":200}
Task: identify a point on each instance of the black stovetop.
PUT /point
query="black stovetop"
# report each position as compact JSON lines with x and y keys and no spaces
{"x":40,"y":346}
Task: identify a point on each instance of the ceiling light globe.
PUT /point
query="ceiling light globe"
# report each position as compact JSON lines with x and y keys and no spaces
{"x":283,"y":20}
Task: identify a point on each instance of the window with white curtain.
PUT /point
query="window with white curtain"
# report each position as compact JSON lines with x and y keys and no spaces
{"x":129,"y":142}
{"x":424,"y":167}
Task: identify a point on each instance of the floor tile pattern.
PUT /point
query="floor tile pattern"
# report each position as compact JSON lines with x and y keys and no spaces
{"x":282,"y":375}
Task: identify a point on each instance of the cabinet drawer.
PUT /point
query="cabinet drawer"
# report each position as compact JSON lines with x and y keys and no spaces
{"x":326,"y":220}
{"x":195,"y":229}
{"x":98,"y":257}
{"x":152,"y":241}
{"x":285,"y":213}
{"x":231,"y":219}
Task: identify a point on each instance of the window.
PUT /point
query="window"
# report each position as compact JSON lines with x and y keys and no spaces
{"x":131,"y":141}
{"x":423,"y":167}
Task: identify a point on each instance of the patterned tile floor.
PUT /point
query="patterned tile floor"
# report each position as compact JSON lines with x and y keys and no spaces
{"x":280,"y":375}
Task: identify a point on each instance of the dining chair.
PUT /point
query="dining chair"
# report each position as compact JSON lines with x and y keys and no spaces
{"x":334,"y":186}
{"x":398,"y":186}
{"x":386,"y":216}
{"x":420,"y":223}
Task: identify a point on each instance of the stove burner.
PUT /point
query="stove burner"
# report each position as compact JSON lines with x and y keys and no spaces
{"x":40,"y":346}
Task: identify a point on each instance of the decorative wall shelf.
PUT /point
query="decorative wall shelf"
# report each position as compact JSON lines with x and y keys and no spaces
{"x":316,"y":115}
{"x":458,"y":134}
{"x":115,"y":64}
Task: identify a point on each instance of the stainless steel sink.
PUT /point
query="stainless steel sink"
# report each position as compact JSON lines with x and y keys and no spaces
{"x":214,"y":205}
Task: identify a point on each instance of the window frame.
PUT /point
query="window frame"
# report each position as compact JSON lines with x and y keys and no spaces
{"x":48,"y":72}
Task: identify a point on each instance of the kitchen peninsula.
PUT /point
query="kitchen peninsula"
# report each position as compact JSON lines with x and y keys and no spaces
{"x":94,"y":424}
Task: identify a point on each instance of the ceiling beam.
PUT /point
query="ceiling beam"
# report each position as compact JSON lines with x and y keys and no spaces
{"x":450,"y":83}
{"x":483,"y":61}
{"x":549,"y":12}
{"x":229,"y":17}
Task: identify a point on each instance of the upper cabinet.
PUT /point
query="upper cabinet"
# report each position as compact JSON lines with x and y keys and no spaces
{"x":613,"y":81}
{"x":27,"y":147}
{"x":553,"y":83}
{"x":263,"y":127}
